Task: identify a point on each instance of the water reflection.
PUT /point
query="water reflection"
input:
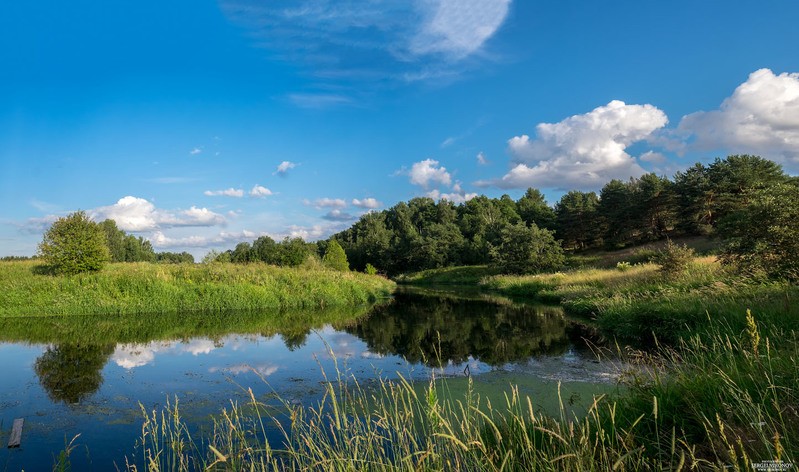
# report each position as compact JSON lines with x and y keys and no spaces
{"x":70,"y":373}
{"x":436,"y":329}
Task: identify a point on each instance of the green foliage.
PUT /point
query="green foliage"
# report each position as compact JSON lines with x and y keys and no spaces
{"x":578,"y":220}
{"x":142,"y":287}
{"x":370,"y":269}
{"x":124,"y":247}
{"x":335,"y":258}
{"x":524,"y":249}
{"x":763,"y":236}
{"x":174,"y":258}
{"x":623,"y":266}
{"x":674,"y":258}
{"x":74,"y":244}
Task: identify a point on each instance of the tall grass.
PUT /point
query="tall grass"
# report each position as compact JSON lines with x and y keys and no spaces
{"x":643,"y":306}
{"x":134,"y":288}
{"x":720,"y":405}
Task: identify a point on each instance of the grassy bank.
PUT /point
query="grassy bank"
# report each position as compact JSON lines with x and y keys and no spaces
{"x":640,"y":304}
{"x":674,"y":415}
{"x":133,"y":288}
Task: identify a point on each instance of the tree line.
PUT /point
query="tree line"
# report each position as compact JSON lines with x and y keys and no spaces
{"x":702,"y":200}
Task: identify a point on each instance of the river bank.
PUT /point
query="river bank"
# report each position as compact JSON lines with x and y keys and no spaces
{"x":137,"y":288}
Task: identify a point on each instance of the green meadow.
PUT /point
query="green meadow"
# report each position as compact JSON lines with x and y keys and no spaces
{"x":137,"y":288}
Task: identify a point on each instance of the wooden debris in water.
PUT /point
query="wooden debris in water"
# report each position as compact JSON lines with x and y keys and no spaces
{"x":16,"y":433}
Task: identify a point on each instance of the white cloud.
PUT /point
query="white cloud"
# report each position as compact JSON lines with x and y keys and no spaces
{"x":195,"y":151}
{"x":448,"y":142}
{"x":259,"y":191}
{"x":338,"y":215}
{"x":349,"y":42}
{"x":481,"y":159}
{"x":137,"y":214}
{"x":458,"y":28}
{"x":429,"y":171}
{"x":231,"y":192}
{"x":652,"y":157}
{"x":761,"y":117}
{"x":160,"y":240}
{"x":308,"y":234}
{"x":582,"y":151}
{"x":454,"y":197}
{"x":284,"y":167}
{"x":320,"y":203}
{"x":367,"y":203}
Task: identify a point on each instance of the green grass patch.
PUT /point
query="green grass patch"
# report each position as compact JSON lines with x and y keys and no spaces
{"x":641,"y":305}
{"x":134,"y":288}
{"x":463,"y":275}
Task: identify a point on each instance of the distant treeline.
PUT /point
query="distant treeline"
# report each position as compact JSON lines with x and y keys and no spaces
{"x":422,"y":234}
{"x":128,"y":248}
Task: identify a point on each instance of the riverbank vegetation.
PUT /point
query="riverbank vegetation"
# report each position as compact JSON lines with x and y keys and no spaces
{"x":134,"y":288}
{"x":675,"y":414}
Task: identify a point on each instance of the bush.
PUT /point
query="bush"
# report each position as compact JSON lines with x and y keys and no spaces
{"x":674,"y":258}
{"x":74,"y":244}
{"x":370,"y":269}
{"x":524,"y":249}
{"x":335,"y":258}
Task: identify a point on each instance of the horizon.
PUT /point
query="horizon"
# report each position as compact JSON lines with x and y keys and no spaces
{"x":201,"y":125}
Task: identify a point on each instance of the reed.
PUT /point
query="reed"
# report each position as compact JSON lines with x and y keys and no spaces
{"x":720,"y":405}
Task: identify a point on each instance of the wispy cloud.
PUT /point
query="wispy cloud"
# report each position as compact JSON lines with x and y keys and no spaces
{"x":338,"y":215}
{"x":481,"y":159}
{"x":230,"y":192}
{"x":195,"y":151}
{"x":352,"y":42}
{"x":162,"y":241}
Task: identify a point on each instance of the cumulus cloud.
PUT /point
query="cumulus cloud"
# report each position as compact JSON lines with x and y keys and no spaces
{"x":308,"y":233}
{"x":284,"y":167}
{"x":231,"y":192}
{"x":427,"y":172}
{"x":320,"y":203}
{"x":582,"y":151}
{"x":454,"y":197}
{"x":338,"y":215}
{"x":367,"y":203}
{"x":137,"y":214}
{"x":160,"y":240}
{"x":760,"y":117}
{"x":259,"y":191}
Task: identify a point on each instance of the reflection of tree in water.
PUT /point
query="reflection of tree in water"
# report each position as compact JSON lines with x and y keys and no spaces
{"x":428,"y":328}
{"x":71,"y":372}
{"x":294,"y":338}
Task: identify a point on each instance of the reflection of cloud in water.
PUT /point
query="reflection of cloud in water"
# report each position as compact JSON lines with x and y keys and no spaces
{"x":129,"y":356}
{"x":341,"y":345}
{"x":265,"y":370}
{"x":371,"y":355}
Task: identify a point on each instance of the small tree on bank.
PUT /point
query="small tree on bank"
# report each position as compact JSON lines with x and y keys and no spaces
{"x":75,"y":244}
{"x":524,"y":249}
{"x":335,"y":257}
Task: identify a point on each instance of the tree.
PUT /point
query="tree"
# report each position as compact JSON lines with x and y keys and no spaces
{"x":578,"y":220}
{"x":74,"y":244}
{"x":335,"y":258}
{"x":242,"y":253}
{"x":763,"y":237}
{"x":533,"y":208}
{"x":524,"y":249}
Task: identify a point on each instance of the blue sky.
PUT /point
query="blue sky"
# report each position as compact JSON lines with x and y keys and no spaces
{"x":198,"y":124}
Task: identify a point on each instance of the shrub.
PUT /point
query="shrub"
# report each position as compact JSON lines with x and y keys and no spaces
{"x":623,"y":266}
{"x":370,"y":269}
{"x":74,"y":244}
{"x":335,"y":258}
{"x":524,"y":249}
{"x":674,"y":258}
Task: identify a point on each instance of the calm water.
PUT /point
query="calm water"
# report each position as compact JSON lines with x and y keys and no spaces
{"x":65,"y":382}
